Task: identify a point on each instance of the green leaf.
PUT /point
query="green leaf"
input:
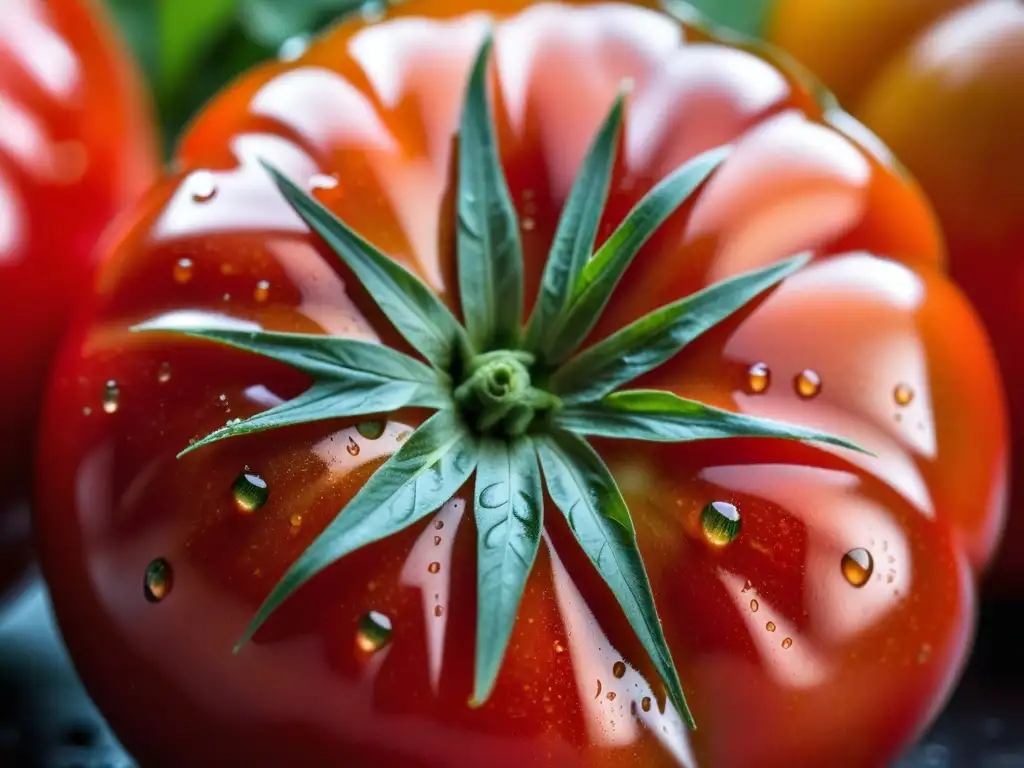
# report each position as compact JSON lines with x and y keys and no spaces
{"x":577,"y":231}
{"x":655,"y":338}
{"x":411,"y":306}
{"x":584,"y":490}
{"x":657,"y":416}
{"x":747,"y":17}
{"x":490,"y":253}
{"x":272,"y":22}
{"x":602,"y":274}
{"x":429,"y":468}
{"x":509,"y":508}
{"x":187,"y":29}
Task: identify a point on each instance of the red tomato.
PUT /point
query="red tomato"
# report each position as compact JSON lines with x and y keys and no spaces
{"x":945,"y":97}
{"x":75,"y":148}
{"x":828,"y":633}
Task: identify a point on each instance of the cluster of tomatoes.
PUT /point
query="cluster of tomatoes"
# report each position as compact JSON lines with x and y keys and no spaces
{"x":829,"y":632}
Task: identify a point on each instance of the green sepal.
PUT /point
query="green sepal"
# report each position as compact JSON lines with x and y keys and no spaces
{"x":602,"y":273}
{"x":584,"y":490}
{"x":652,"y":415}
{"x":652,"y":340}
{"x":409,"y":304}
{"x":509,"y":505}
{"x":490,"y":252}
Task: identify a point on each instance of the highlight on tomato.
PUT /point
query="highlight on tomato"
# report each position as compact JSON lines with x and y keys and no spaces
{"x":517,"y":383}
{"x":76,"y":147}
{"x":939,"y":82}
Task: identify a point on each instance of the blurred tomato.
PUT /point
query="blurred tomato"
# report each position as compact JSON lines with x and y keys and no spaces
{"x":940,"y":81}
{"x":75,"y":147}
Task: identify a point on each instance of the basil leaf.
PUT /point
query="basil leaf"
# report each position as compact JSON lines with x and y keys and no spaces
{"x":411,"y":306}
{"x":490,"y":253}
{"x":602,"y":274}
{"x":509,"y":508}
{"x":577,"y":230}
{"x":582,"y":487}
{"x":655,"y":338}
{"x":429,"y":468}
{"x":657,"y":416}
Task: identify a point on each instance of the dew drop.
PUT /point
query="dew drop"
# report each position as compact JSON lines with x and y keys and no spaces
{"x":371,"y":430}
{"x":293,"y":48}
{"x":619,"y":669}
{"x":599,"y":687}
{"x":250,"y":492}
{"x":720,"y":522}
{"x":262,"y":291}
{"x":439,"y":524}
{"x":808,"y":384}
{"x":857,"y":566}
{"x":754,"y":606}
{"x":610,"y":695}
{"x":323,"y":181}
{"x":438,"y":611}
{"x":903,"y":394}
{"x":770,"y":626}
{"x":434,"y":567}
{"x":163,"y":373}
{"x":111,"y":397}
{"x":787,"y":643}
{"x":374,"y":632}
{"x":759,"y":376}
{"x":559,"y":648}
{"x":295,"y":521}
{"x":529,"y":224}
{"x":158,"y":580}
{"x":437,"y":541}
{"x":645,"y":703}
{"x":204,"y":187}
{"x":403,"y":436}
{"x":87,"y":411}
{"x":183,"y":271}
{"x":352,"y":448}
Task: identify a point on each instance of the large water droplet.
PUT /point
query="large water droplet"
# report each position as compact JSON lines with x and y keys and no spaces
{"x":434,"y":567}
{"x":645,"y":704}
{"x":262,"y":291}
{"x":903,"y":394}
{"x":183,"y":271}
{"x":770,"y":626}
{"x":787,"y":643}
{"x":758,"y":378}
{"x":204,"y":187}
{"x":158,"y":580}
{"x":857,"y":566}
{"x":374,"y":632}
{"x":808,"y":384}
{"x":111,"y":397}
{"x":371,"y":430}
{"x":250,"y":492}
{"x":720,"y":522}
{"x":619,"y":669}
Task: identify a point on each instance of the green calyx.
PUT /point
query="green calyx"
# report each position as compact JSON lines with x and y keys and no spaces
{"x":519,"y":443}
{"x":498,"y":396}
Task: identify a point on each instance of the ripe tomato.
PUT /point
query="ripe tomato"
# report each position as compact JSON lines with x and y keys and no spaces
{"x":827,"y":633}
{"x":939,"y":82}
{"x":75,"y":148}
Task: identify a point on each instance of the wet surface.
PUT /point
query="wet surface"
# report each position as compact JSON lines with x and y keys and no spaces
{"x":46,"y":719}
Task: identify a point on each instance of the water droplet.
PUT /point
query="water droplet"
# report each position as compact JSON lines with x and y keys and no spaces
{"x":759,"y":376}
{"x":373,"y":12}
{"x":204,"y":187}
{"x":610,"y":695}
{"x":250,"y":492}
{"x":645,"y":704}
{"x":371,"y":430}
{"x":111,"y":397}
{"x":295,"y":521}
{"x":903,"y":394}
{"x":924,"y":654}
{"x":437,"y":541}
{"x":434,"y":567}
{"x":770,"y":626}
{"x":438,"y":611}
{"x":808,"y":384}
{"x":619,"y":669}
{"x":787,"y":643}
{"x":158,"y":581}
{"x":403,"y":436}
{"x":322,"y":181}
{"x":754,"y":606}
{"x":226,"y":297}
{"x":599,"y":687}
{"x":720,"y":522}
{"x":183,"y":271}
{"x":374,"y":632}
{"x":87,"y":411}
{"x":529,"y":224}
{"x":163,"y":373}
{"x":352,"y":448}
{"x":293,"y":48}
{"x":439,"y":524}
{"x":262,"y":291}
{"x":559,"y":648}
{"x":857,"y":565}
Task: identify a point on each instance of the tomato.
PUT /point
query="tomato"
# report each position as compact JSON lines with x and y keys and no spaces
{"x":938,"y":81}
{"x":828,"y":633}
{"x":75,"y":148}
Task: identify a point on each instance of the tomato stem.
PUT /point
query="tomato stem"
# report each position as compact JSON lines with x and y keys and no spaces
{"x":498,"y":396}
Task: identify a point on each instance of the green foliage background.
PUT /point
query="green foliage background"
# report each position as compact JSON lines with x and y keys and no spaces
{"x":190,"y":49}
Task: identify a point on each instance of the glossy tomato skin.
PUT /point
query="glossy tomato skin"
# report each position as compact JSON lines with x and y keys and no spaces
{"x":784,"y":655}
{"x":75,"y":148}
{"x":945,"y":99}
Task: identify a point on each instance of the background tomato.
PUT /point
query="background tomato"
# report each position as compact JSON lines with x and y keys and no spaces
{"x":75,"y":148}
{"x":940,"y":82}
{"x":844,"y":606}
